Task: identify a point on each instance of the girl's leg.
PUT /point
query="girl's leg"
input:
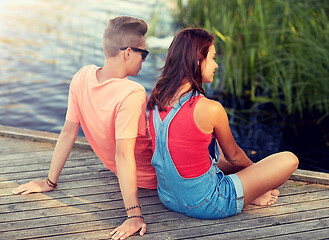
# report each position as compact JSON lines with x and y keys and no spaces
{"x":260,"y":179}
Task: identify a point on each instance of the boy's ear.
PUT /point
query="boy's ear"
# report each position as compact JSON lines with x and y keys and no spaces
{"x":127,"y":53}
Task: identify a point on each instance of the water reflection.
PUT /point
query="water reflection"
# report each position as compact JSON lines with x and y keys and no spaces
{"x":43,"y":43}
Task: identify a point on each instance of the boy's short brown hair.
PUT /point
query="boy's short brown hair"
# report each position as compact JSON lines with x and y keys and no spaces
{"x":123,"y":31}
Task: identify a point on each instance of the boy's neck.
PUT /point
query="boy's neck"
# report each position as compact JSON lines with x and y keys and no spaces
{"x":111,"y":69}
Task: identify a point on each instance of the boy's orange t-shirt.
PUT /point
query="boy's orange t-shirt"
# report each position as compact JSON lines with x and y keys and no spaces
{"x":115,"y":109}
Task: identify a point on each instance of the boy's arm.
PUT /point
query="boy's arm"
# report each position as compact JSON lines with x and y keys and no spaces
{"x":61,"y":152}
{"x":126,"y":171}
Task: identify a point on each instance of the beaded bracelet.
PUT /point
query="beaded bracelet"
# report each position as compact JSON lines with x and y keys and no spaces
{"x":135,"y":216}
{"x":50,"y":183}
{"x":136,"y":206}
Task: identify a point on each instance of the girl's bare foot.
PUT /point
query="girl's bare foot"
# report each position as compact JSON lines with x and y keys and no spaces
{"x":267,"y":199}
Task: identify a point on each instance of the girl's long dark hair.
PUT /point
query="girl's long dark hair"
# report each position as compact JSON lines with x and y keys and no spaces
{"x":183,"y":64}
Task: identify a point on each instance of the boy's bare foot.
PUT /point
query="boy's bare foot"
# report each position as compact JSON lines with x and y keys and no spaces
{"x":267,"y":199}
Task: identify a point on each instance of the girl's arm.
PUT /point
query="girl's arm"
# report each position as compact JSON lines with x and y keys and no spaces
{"x":211,"y":117}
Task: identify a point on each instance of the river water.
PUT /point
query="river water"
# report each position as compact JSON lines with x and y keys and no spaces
{"x":44,"y":43}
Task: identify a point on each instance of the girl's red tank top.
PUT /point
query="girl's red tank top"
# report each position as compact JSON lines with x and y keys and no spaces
{"x":188,"y":145}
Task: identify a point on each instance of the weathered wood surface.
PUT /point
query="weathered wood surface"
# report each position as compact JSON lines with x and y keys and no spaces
{"x":88,"y":202}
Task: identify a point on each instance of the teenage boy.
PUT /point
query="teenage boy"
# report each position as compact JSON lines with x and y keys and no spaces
{"x":111,"y":109}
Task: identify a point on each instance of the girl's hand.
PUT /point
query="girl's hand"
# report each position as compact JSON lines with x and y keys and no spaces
{"x":128,"y":228}
{"x":38,"y":185}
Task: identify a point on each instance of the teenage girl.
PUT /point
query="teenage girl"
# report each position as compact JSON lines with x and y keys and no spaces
{"x":183,"y":122}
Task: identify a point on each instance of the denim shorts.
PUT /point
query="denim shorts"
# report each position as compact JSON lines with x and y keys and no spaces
{"x":226,"y":200}
{"x":238,"y":191}
{"x":211,"y":196}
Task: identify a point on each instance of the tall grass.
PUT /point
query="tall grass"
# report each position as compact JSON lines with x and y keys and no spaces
{"x":272,"y":51}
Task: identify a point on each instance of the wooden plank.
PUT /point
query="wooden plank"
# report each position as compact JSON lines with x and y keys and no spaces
{"x":9,"y":142}
{"x":111,"y":190}
{"x":37,"y":174}
{"x":84,"y":183}
{"x":318,"y":234}
{"x":45,"y":166}
{"x":86,"y":235}
{"x":311,"y":176}
{"x":35,"y":233}
{"x":18,"y":158}
{"x":24,"y":148}
{"x":270,"y":231}
{"x":62,"y":194}
{"x":41,"y":156}
{"x":39,"y":136}
{"x":73,"y":177}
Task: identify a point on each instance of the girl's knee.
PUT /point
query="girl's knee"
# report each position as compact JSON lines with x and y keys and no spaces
{"x":292,"y":159}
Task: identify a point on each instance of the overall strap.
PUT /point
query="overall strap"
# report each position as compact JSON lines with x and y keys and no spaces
{"x":156,"y":116}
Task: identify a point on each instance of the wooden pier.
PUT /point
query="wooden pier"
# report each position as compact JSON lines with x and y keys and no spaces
{"x":88,"y":202}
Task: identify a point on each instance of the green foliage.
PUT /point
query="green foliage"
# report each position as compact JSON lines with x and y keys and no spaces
{"x":273,"y":51}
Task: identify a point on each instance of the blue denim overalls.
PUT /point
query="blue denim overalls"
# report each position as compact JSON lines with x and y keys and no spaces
{"x":209,"y":196}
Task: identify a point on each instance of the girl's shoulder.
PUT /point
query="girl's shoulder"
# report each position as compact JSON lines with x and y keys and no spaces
{"x":207,"y":113}
{"x":209,"y":106}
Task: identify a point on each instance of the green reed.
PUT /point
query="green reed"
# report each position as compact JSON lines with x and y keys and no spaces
{"x":272,"y":51}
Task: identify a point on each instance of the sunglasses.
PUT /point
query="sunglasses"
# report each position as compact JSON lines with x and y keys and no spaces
{"x":143,"y":51}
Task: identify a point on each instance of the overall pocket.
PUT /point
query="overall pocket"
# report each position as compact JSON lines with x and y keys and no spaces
{"x":205,"y":210}
{"x":170,"y":203}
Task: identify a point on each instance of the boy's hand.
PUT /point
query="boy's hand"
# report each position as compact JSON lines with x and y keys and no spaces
{"x":128,"y":228}
{"x":38,"y":185}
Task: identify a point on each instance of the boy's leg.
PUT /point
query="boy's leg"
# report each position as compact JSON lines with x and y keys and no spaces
{"x":261,"y":178}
